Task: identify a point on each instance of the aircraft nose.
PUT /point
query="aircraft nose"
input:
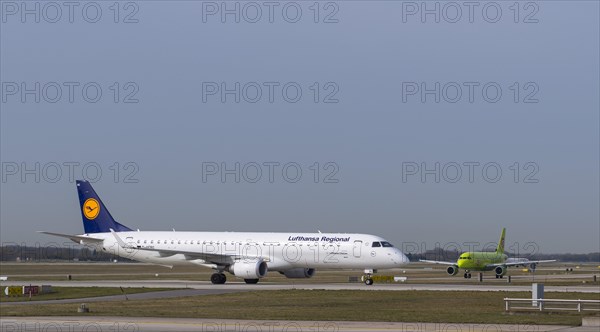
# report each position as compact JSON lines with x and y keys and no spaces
{"x":405,"y":259}
{"x":401,"y":258}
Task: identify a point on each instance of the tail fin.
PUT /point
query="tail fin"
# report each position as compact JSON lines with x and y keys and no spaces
{"x":96,"y":218}
{"x":500,"y":248}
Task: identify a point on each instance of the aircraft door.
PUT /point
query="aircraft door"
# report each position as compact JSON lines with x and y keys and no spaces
{"x":356,"y":250}
{"x":130,"y":244}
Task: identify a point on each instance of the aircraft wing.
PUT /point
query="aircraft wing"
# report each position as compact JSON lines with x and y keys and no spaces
{"x":517,"y":263}
{"x":437,"y":262}
{"x":219,"y":259}
{"x":75,"y":238}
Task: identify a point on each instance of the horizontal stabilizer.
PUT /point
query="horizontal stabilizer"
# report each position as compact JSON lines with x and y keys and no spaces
{"x":81,"y":239}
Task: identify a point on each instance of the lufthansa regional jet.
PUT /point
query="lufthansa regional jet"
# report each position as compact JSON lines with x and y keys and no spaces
{"x":245,"y":255}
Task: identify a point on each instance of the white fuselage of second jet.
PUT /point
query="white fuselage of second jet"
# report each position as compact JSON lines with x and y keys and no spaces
{"x":281,"y":251}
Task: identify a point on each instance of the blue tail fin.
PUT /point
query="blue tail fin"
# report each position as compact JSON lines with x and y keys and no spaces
{"x":96,"y":218}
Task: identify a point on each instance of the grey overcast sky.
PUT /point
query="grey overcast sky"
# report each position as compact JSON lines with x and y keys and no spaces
{"x":424,"y":125}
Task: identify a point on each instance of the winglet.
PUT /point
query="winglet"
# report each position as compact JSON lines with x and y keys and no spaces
{"x":120,"y":241}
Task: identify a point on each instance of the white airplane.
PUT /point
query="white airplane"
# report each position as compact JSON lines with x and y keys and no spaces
{"x":245,"y":255}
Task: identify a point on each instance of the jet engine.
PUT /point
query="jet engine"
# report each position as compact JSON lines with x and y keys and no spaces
{"x":299,"y":273}
{"x":452,"y":270}
{"x":500,"y":270}
{"x":249,"y":269}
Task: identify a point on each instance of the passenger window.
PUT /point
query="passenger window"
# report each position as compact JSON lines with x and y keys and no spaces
{"x":376,"y":244}
{"x":145,"y":241}
{"x":151,"y":241}
{"x":138,"y":241}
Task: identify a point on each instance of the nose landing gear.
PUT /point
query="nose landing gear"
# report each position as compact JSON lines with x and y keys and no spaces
{"x":367,"y":277}
{"x":467,"y":275}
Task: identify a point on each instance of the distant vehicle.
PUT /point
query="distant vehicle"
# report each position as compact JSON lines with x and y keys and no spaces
{"x":246,"y":255}
{"x":487,"y":261}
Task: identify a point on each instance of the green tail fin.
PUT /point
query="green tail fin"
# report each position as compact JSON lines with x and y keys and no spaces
{"x":500,"y":248}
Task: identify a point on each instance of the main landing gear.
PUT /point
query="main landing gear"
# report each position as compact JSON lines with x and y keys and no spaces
{"x":218,"y":278}
{"x":467,"y":275}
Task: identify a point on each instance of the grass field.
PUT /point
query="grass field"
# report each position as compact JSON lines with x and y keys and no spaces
{"x":408,"y":306}
{"x":405,"y":306}
{"x":59,"y":293}
{"x":552,"y":274}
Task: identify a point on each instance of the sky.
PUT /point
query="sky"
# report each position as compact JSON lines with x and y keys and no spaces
{"x":427,"y":123}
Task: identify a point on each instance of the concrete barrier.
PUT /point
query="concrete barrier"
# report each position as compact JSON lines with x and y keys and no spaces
{"x":590,"y":321}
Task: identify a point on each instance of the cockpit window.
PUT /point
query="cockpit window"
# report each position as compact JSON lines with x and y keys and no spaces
{"x":376,"y":244}
{"x":386,"y":244}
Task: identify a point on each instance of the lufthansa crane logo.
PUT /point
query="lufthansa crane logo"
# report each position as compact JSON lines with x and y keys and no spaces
{"x":91,"y":208}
